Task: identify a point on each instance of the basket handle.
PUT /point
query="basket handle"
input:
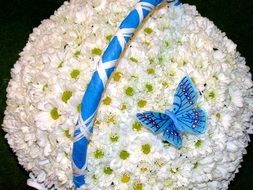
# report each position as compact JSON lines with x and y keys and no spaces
{"x":93,"y":93}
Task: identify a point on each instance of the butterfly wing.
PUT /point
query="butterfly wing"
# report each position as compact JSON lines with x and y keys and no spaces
{"x":172,"y":135}
{"x":193,"y":121}
{"x":189,"y":119}
{"x":154,"y":121}
{"x":185,"y":97}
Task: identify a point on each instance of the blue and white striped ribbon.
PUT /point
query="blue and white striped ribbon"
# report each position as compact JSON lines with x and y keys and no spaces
{"x":99,"y":79}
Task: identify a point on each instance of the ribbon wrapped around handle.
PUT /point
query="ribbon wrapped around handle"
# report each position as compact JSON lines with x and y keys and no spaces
{"x":94,"y":91}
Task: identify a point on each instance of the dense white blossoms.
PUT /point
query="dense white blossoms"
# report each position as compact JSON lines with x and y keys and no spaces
{"x":50,"y":77}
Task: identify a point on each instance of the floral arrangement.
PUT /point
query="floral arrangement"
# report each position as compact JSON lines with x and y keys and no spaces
{"x":49,"y":79}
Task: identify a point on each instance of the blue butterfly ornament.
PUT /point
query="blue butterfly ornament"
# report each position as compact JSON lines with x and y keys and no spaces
{"x":184,"y":117}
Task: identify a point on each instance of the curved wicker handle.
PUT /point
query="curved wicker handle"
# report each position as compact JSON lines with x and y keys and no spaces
{"x":94,"y":91}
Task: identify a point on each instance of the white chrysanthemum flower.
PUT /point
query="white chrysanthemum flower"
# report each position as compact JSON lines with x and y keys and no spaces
{"x":49,"y":115}
{"x":124,"y":180}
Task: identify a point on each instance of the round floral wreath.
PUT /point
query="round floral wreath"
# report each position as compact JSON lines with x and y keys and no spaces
{"x":55,"y":67}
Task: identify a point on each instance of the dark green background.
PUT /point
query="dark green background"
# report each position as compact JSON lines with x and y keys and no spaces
{"x":19,"y":17}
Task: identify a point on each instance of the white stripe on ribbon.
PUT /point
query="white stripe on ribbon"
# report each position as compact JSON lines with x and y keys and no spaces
{"x":101,"y":67}
{"x":82,"y":122}
{"x":84,"y":127}
{"x":138,"y":8}
{"x":101,"y":72}
{"x":143,"y":5}
{"x":84,"y":132}
{"x":121,"y":39}
{"x":79,"y":171}
{"x":147,"y":6}
{"x":124,"y":32}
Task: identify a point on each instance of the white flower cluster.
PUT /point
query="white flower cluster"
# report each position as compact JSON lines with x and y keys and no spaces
{"x":50,"y":77}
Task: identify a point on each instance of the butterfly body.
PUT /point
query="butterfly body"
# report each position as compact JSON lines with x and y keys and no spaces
{"x":183,"y":118}
{"x":173,"y":117}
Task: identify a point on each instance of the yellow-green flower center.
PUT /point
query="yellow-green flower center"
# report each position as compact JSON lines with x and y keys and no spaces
{"x":99,"y":153}
{"x":111,"y":119}
{"x":117,"y":76}
{"x":77,"y":53}
{"x":144,"y":169}
{"x":108,"y":37}
{"x":167,"y":43}
{"x":149,"y":87}
{"x":125,"y":178}
{"x":96,"y":51}
{"x":138,"y":186}
{"x":147,"y":43}
{"x":151,"y":71}
{"x":148,"y":30}
{"x":198,"y":143}
{"x":94,"y":177}
{"x":160,"y":59}
{"x":67,"y":134}
{"x":165,"y":84}
{"x":136,"y":126}
{"x":123,"y":107}
{"x":75,"y":73}
{"x":78,"y":108}
{"x":174,"y":170}
{"x":172,"y":73}
{"x":146,"y":148}
{"x":60,"y":65}
{"x":108,"y":170}
{"x":54,"y":113}
{"x":129,"y":91}
{"x":133,"y":59}
{"x":142,"y":103}
{"x":168,"y":182}
{"x":107,"y":100}
{"x":124,"y":155}
{"x":96,"y":123}
{"x":66,"y":95}
{"x":218,"y":115}
{"x":212,"y":95}
{"x":114,"y":137}
{"x":195,"y":165}
{"x":159,"y":163}
{"x":45,"y":87}
{"x":151,"y":60}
